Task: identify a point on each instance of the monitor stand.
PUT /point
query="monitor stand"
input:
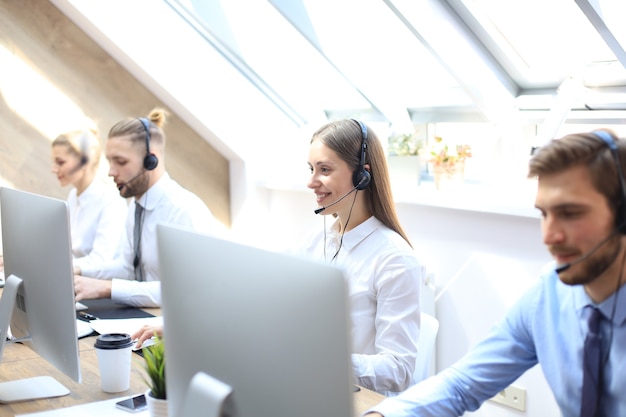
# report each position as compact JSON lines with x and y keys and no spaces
{"x":29,"y":388}
{"x":206,"y":396}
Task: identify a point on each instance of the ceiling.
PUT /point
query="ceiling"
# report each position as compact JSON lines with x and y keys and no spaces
{"x":234,"y":68}
{"x":416,"y":61}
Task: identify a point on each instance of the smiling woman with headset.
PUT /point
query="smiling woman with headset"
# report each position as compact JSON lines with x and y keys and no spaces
{"x":97,"y":212}
{"x":350,"y":179}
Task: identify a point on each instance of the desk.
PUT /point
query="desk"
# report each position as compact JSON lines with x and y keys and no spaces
{"x":365,"y":399}
{"x":20,"y":362}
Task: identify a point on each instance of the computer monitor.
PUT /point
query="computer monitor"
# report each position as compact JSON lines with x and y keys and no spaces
{"x":273,"y":327}
{"x":38,"y":298}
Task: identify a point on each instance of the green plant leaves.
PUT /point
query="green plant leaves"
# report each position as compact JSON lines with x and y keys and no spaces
{"x":154,"y":357}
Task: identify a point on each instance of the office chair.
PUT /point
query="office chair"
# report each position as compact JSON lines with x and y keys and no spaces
{"x":426,"y":344}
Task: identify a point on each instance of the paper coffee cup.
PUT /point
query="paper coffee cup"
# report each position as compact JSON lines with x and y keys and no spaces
{"x":114,"y":356}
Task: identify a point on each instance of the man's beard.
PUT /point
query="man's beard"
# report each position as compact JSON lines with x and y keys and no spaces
{"x":135,"y":187}
{"x":595,"y":265}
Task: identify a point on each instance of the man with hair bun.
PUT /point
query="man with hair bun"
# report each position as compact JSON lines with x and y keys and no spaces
{"x":135,"y":149}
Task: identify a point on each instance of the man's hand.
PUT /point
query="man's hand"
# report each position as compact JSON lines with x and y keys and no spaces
{"x":91,"y":288}
{"x":145,"y":333}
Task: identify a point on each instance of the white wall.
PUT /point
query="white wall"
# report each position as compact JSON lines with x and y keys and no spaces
{"x":481,"y":263}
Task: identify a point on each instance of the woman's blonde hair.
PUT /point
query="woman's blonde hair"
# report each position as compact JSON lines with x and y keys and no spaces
{"x":82,"y":143}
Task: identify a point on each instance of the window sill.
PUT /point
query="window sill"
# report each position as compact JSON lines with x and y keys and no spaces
{"x":515,"y":200}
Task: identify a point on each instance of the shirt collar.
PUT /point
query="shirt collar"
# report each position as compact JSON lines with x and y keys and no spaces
{"x":617,"y":300}
{"x":581,"y":300}
{"x":358,"y":234}
{"x":93,"y":191}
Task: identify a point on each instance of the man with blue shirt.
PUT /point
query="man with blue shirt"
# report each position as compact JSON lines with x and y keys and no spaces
{"x":572,"y":321}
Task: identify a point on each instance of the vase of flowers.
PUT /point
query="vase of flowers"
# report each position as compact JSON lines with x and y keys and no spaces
{"x":404,"y":159}
{"x":448,"y":163}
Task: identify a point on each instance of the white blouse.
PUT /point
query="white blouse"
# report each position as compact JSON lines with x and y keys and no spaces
{"x":384,"y":284}
{"x":97,"y":219}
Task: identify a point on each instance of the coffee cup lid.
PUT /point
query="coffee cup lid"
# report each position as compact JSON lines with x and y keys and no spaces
{"x":113,"y":341}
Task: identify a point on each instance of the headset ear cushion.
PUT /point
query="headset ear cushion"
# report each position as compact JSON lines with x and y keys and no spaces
{"x":361,"y":178}
{"x":620,"y":218}
{"x":150,"y":161}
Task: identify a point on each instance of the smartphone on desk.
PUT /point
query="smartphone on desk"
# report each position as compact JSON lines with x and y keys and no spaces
{"x":133,"y":404}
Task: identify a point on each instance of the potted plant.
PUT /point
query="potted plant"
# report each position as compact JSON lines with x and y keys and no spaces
{"x":404,"y":157}
{"x":156,"y":395}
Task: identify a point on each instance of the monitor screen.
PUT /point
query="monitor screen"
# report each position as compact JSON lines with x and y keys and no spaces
{"x":38,"y":299}
{"x":273,"y":327}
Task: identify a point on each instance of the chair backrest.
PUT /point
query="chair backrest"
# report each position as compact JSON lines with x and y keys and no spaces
{"x":426,"y":345}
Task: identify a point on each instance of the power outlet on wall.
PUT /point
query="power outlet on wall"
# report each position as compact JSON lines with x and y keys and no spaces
{"x":512,"y":396}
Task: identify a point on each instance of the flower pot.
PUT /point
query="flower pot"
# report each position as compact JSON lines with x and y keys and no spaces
{"x":404,"y":170}
{"x":156,"y":406}
{"x":449,"y":176}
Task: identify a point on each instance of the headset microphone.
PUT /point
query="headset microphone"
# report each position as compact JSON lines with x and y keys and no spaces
{"x":568,"y":265}
{"x":321,"y":209}
{"x":78,"y":167}
{"x":84,"y":159}
{"x":119,"y":187}
{"x":356,"y":187}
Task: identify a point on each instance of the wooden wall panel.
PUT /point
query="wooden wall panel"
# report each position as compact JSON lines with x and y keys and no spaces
{"x":40,"y":35}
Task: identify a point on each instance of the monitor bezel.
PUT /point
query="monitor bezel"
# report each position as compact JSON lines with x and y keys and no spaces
{"x":274,"y":327}
{"x":37,"y":251}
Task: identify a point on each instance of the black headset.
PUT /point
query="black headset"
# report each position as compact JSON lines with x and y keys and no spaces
{"x":620,"y":218}
{"x":150,"y":161}
{"x":361,"y":177}
{"x":84,"y":149}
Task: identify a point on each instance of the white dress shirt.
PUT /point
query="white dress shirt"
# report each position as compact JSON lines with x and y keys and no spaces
{"x":97,"y":219}
{"x":384,"y":283}
{"x":166,"y":202}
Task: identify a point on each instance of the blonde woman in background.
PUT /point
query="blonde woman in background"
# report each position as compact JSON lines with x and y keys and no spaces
{"x":97,"y":212}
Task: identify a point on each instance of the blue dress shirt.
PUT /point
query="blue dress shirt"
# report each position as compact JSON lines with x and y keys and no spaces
{"x":547,"y":325}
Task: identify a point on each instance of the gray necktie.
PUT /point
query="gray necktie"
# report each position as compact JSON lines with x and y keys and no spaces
{"x":137,"y":242}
